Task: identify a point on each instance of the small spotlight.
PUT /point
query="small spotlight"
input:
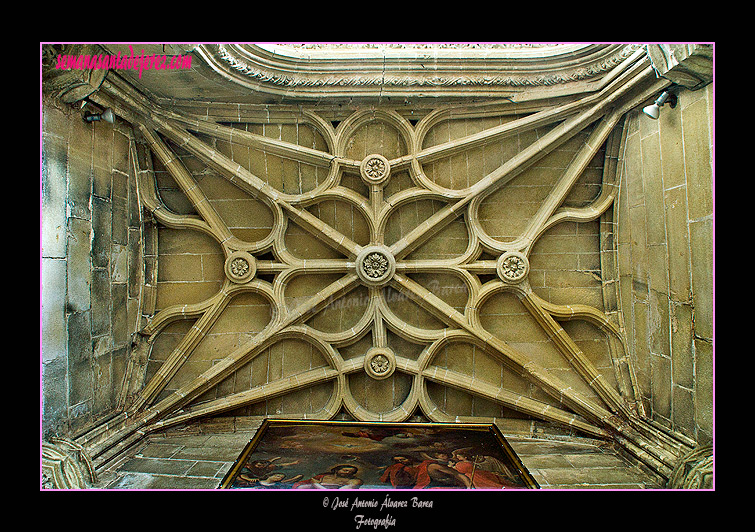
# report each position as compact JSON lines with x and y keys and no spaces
{"x":654,"y":110}
{"x":107,"y":116}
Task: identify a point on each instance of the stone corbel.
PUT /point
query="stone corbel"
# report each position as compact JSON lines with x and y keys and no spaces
{"x":688,"y":65}
{"x":70,"y":85}
{"x":66,"y":465}
{"x":694,"y":470}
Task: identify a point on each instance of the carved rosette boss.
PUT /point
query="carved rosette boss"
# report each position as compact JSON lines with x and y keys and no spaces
{"x":375,"y":169}
{"x":240,"y":267}
{"x":375,"y":265}
{"x":513,"y":267}
{"x":379,"y":363}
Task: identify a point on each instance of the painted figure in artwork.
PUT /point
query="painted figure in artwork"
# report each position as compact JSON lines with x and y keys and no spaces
{"x":438,"y":455}
{"x":342,"y":476}
{"x":337,"y":455}
{"x":406,"y":472}
{"x":258,"y":469}
{"x":275,"y":481}
{"x":366,"y":433}
{"x":484,"y":472}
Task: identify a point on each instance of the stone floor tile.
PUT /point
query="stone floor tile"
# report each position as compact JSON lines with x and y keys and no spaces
{"x":200,"y":461}
{"x":204,"y":469}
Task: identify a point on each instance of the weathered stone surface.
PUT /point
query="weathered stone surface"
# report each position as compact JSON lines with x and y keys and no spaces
{"x":79,"y":230}
{"x":101,"y":302}
{"x":79,"y":264}
{"x":703,"y":281}
{"x":688,"y":65}
{"x":53,"y":311}
{"x":53,"y":200}
{"x":673,"y":157}
{"x":102,"y":223}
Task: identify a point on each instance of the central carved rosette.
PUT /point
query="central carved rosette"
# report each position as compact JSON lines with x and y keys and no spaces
{"x":375,"y":169}
{"x":512,"y":267}
{"x":240,"y":267}
{"x":379,"y":362}
{"x":375,"y":265}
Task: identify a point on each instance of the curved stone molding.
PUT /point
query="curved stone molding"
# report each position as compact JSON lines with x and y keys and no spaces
{"x":240,"y":266}
{"x":375,"y":265}
{"x":371,"y":71}
{"x":379,"y":362}
{"x":694,"y":470}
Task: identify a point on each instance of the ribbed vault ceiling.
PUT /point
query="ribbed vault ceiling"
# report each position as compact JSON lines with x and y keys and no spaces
{"x":315,"y":259}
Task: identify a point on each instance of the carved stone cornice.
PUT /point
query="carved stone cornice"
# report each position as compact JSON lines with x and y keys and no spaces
{"x":385,"y":70}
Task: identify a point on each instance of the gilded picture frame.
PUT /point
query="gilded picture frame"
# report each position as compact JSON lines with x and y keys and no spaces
{"x":301,"y":454}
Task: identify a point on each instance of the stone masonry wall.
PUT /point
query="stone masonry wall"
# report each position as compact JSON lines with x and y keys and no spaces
{"x":666,"y":260}
{"x":90,"y":266}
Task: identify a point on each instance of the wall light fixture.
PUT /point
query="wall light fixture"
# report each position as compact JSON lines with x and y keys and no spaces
{"x":654,"y":110}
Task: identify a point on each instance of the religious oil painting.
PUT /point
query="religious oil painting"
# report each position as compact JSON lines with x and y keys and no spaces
{"x":292,"y":455}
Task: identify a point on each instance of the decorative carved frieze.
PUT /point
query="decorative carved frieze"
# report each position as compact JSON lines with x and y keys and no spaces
{"x":441,"y":70}
{"x":415,"y":46}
